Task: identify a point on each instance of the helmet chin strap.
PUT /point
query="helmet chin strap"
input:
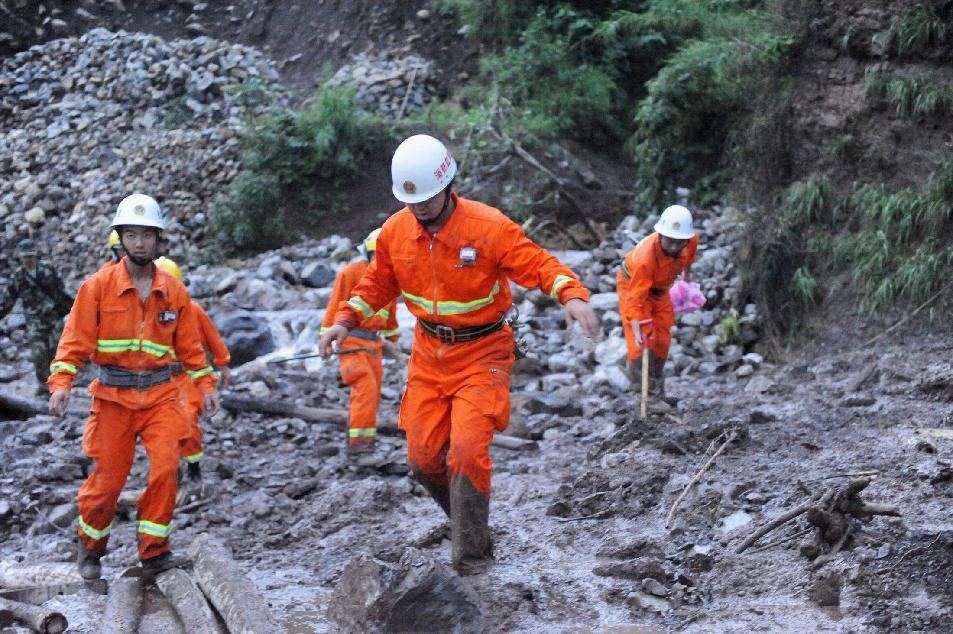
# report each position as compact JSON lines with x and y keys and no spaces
{"x":435,"y":221}
{"x":137,"y":260}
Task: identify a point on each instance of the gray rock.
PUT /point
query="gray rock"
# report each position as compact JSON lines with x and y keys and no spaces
{"x":317,"y":275}
{"x":246,"y":336}
{"x":415,"y":594}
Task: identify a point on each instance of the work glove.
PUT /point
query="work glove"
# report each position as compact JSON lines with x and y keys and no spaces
{"x":644,"y":331}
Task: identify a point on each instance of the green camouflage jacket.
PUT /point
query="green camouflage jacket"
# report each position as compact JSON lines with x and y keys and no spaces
{"x":45,"y":300}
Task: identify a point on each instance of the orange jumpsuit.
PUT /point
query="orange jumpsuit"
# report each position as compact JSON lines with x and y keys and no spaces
{"x":113,"y":326}
{"x":457,"y":393}
{"x":362,"y":371}
{"x":193,"y":402}
{"x":643,"y":283}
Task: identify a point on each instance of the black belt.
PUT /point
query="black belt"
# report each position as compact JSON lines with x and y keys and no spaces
{"x":363,"y":333}
{"x":446,"y":334}
{"x":114,"y":376}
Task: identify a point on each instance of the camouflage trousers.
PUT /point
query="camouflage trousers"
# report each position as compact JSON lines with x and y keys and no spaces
{"x":43,"y":342}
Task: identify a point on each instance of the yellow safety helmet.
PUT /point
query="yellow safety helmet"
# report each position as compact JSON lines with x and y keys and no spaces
{"x":169,"y":266}
{"x":113,"y":239}
{"x":370,"y":242}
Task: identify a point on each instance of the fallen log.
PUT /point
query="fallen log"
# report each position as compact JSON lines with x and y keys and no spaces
{"x":237,"y":403}
{"x":123,"y":606}
{"x":28,"y":407}
{"x":188,"y":601}
{"x":41,"y":594}
{"x":512,"y":442}
{"x":38,"y":618}
{"x":17,"y":575}
{"x":233,"y":594}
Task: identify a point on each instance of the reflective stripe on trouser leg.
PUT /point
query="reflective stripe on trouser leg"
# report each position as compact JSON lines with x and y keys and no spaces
{"x":161,"y":428}
{"x":110,"y":440}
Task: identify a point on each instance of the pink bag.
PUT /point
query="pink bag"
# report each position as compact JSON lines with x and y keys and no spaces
{"x":686,"y":297}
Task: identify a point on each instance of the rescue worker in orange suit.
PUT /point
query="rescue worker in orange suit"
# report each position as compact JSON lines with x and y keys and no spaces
{"x":452,"y":260}
{"x":647,"y":272}
{"x":133,"y":320}
{"x":192,"y":401}
{"x":362,"y":370}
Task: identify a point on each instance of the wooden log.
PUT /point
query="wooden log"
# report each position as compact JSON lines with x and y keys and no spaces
{"x":188,"y":601}
{"x":237,"y":403}
{"x":512,"y":442}
{"x":18,"y":575}
{"x":39,"y":619}
{"x":123,"y":606}
{"x":23,"y":407}
{"x":232,"y":593}
{"x":41,"y":594}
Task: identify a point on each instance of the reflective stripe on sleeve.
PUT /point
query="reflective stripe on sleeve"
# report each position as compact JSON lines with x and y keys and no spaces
{"x":360,"y":306}
{"x":561,"y":280}
{"x":62,"y":366}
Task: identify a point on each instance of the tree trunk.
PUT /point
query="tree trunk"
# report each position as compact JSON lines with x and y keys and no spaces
{"x":232,"y":593}
{"x":123,"y":606}
{"x":265,"y":406}
{"x":188,"y":601}
{"x":18,"y":575}
{"x":38,"y":618}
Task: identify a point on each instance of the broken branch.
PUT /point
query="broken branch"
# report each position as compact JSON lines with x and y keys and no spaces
{"x":698,"y":476}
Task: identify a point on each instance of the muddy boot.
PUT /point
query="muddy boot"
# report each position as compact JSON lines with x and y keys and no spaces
{"x":440,"y":493}
{"x":657,"y":381}
{"x":165,"y":561}
{"x":87,"y":562}
{"x":469,"y":527}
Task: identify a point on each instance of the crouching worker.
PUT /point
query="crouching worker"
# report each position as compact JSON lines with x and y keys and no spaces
{"x":647,"y":273}
{"x":133,"y":320}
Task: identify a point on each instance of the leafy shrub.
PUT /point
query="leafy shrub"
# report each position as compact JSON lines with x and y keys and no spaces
{"x":915,"y":98}
{"x":917,"y":32}
{"x":293,"y":162}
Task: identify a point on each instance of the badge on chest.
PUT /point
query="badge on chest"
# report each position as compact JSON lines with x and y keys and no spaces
{"x":468,"y":257}
{"x":168,"y":317}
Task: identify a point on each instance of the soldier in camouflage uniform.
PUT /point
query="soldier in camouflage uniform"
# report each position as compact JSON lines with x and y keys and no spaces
{"x":44,"y":301}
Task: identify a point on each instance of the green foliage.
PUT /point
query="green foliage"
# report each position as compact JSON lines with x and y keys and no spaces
{"x":255,"y":92}
{"x":293,"y":162}
{"x":889,"y":244}
{"x":177,"y":115}
{"x":701,"y":93}
{"x":915,"y":98}
{"x":729,"y":328}
{"x":917,"y":32}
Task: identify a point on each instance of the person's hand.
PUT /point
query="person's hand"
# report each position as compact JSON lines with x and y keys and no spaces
{"x":642,"y":331}
{"x":225,"y":374}
{"x":579,"y":311}
{"x":59,"y":401}
{"x":392,"y":350}
{"x":334,"y":334}
{"x":212,"y":404}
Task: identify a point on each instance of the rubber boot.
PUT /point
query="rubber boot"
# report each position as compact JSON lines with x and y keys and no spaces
{"x":657,"y":380}
{"x":166,"y":561}
{"x":469,"y":528}
{"x":87,"y":562}
{"x":440,"y":493}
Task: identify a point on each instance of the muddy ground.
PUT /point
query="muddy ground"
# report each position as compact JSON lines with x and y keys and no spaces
{"x":295,"y":511}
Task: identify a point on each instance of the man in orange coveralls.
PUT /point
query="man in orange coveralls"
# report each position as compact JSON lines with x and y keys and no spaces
{"x":363,"y":370}
{"x":191,"y":399}
{"x":452,"y":260}
{"x":133,"y":320}
{"x":647,"y":273}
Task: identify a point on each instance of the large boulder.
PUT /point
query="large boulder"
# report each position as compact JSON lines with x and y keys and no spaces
{"x":414,"y":594}
{"x":246,"y":336}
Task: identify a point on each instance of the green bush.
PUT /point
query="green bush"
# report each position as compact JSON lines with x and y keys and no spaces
{"x":917,"y":32}
{"x":293,"y":165}
{"x":915,"y":98}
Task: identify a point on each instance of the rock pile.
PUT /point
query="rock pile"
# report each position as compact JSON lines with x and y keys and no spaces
{"x":89,"y":120}
{"x":393,"y":86}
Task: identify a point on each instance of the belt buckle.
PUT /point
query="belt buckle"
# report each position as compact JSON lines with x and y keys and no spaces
{"x":445,"y":334}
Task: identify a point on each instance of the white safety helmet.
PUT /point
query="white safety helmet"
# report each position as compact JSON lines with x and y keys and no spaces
{"x":675,"y":223}
{"x":421,"y":168}
{"x":139,"y":210}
